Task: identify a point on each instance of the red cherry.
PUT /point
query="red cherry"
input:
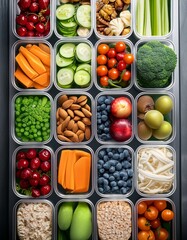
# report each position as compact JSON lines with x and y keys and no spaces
{"x":36,"y":175}
{"x":43,"y":4}
{"x":24,"y":184}
{"x":45,"y":189}
{"x":37,"y":34}
{"x":31,"y":153}
{"x":40,"y":27}
{"x":22,"y":163}
{"x":30,"y":34}
{"x":24,"y":4}
{"x":21,"y":20}
{"x":22,"y":31}
{"x":43,"y":19}
{"x":46,"y":12}
{"x":20,"y":155}
{"x":26,"y":173}
{"x":33,"y":18}
{"x":33,"y":182}
{"x":30,"y":26}
{"x":45,"y":166}
{"x":35,"y":163}
{"x":44,"y":180}
{"x":35,"y":192}
{"x":18,"y":173}
{"x":44,"y":155}
{"x":34,"y":7}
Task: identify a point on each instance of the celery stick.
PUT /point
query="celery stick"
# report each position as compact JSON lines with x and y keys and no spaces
{"x":140,"y":16}
{"x":157,"y":28}
{"x":165,"y":17}
{"x":147,"y":19}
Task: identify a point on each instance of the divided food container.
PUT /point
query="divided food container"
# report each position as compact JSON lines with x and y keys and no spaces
{"x":96,"y":115}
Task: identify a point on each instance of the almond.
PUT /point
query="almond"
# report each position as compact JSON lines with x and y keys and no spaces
{"x":81,"y":125}
{"x":74,"y":98}
{"x":63,"y":138}
{"x":79,"y":132}
{"x":59,"y":129}
{"x":87,"y":133}
{"x":75,"y":128}
{"x":74,"y":138}
{"x":68,"y":133}
{"x":81,"y":137}
{"x":83,"y":103}
{"x":57,"y":114}
{"x":71,"y":113}
{"x":65,"y":123}
{"x":87,"y":107}
{"x":75,"y":107}
{"x":86,"y":121}
{"x":81,"y":98}
{"x":79,"y":113}
{"x":77,"y":118}
{"x":62,"y":113}
{"x":67,"y":103}
{"x":86,"y":112}
{"x":62,"y":99}
{"x":70,"y":124}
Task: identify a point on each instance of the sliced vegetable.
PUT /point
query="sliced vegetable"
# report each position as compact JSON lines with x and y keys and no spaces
{"x":63,"y":62}
{"x":65,"y":77}
{"x":83,"y":52}
{"x":44,"y":47}
{"x":67,"y":50}
{"x":62,"y":168}
{"x":84,"y":66}
{"x":82,"y":78}
{"x":43,"y":79}
{"x":83,"y":16}
{"x":23,"y":78}
{"x":65,"y":11}
{"x":42,"y":55}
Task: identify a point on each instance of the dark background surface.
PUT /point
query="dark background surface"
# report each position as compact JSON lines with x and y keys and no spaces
{"x":4,"y":121}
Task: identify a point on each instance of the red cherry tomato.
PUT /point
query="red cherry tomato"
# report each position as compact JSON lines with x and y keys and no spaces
{"x":111,"y":62}
{"x":120,"y":46}
{"x":103,"y":48}
{"x":113,"y":73}
{"x":161,"y":234}
{"x":155,"y":223}
{"x":160,"y":204}
{"x":167,"y":215}
{"x":151,"y":213}
{"x":101,"y":59}
{"x":129,"y":58}
{"x":104,"y":81}
{"x":121,"y":65}
{"x":143,"y":224}
{"x":126,"y":76}
{"x":143,"y":235}
{"x":102,"y":70}
{"x":142,"y":206}
{"x":111,"y":53}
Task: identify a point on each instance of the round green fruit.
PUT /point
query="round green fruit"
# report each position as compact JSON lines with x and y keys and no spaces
{"x":153,"y":119}
{"x":164,"y":104}
{"x":163,"y":132}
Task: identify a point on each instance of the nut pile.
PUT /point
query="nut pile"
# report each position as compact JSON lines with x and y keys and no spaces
{"x":114,"y":220}
{"x":73,"y":118}
{"x":113,"y":17}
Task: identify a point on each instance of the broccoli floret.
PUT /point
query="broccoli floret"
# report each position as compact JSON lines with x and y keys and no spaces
{"x":155,"y":64}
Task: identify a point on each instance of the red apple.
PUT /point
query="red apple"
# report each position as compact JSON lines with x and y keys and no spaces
{"x":121,"y":107}
{"x":121,"y":129}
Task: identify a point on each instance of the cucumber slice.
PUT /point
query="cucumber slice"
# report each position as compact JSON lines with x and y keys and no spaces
{"x":83,"y":52}
{"x":83,"y":16}
{"x":65,"y":77}
{"x":67,"y":50}
{"x":65,"y":11}
{"x":82,"y":78}
{"x":63,"y":62}
{"x":68,"y":24}
{"x":84,"y":66}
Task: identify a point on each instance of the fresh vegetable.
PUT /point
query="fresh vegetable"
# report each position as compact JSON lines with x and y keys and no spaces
{"x":160,"y":205}
{"x":143,"y":224}
{"x":23,"y":79}
{"x":42,"y":55}
{"x":34,"y":18}
{"x":161,"y":234}
{"x":167,"y":215}
{"x":102,"y":71}
{"x":142,"y":207}
{"x":74,"y":171}
{"x":32,"y":118}
{"x":103,"y":48}
{"x":73,"y":65}
{"x":151,"y":213}
{"x":31,"y":180}
{"x":155,"y":64}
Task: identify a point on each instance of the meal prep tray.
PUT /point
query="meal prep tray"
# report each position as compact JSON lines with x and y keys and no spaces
{"x":54,"y":198}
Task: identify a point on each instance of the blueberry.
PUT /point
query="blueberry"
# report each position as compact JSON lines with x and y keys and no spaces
{"x":101,"y":99}
{"x":116,"y":156}
{"x":130,"y":172}
{"x":98,"y":108}
{"x":98,"y":115}
{"x":125,"y":184}
{"x":108,"y":136}
{"x":126,"y":164}
{"x":99,"y":131}
{"x":99,"y":121}
{"x":101,"y":170}
{"x":108,"y":150}
{"x":100,"y":180}
{"x":104,"y":137}
{"x":101,"y":190}
{"x":99,"y":166}
{"x":125,"y":177}
{"x":110,"y":154}
{"x":118,"y":166}
{"x":106,"y":165}
{"x":128,"y":189}
{"x":101,"y":127}
{"x":108,"y":108}
{"x":104,"y":118}
{"x":112,"y":169}
{"x":107,"y":124}
{"x":111,"y":178}
{"x":126,"y":153}
{"x":104,"y":112}
{"x":112,"y":162}
{"x":106,"y":188}
{"x":106,"y":175}
{"x":101,"y":162}
{"x":106,"y":130}
{"x":114,"y":189}
{"x":113,"y":184}
{"x":101,"y":153}
{"x":103,"y":106}
{"x":121,"y":156}
{"x":129,"y":183}
{"x":120,"y":150}
{"x":120,"y":183}
{"x":117,"y":175}
{"x":105,"y":158}
{"x":105,"y":182}
{"x":123,"y":190}
{"x":110,"y":99}
{"x":129,"y":159}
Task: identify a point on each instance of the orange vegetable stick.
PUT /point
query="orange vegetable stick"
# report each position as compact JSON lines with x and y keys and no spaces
{"x":22,"y":78}
{"x":43,"y":79}
{"x":44,"y":47}
{"x":82,"y":174}
{"x":42,"y":55}
{"x":37,"y":86}
{"x":28,"y":46}
{"x":81,"y":153}
{"x":47,"y":68}
{"x":70,"y":170}
{"x":62,"y":167}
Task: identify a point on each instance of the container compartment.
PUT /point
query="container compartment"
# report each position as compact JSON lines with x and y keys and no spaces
{"x":120,"y":73}
{"x":74,"y":172}
{"x":114,"y":171}
{"x":155,"y":117}
{"x":75,"y":219}
{"x":155,"y":170}
{"x":114,"y":117}
{"x":31,"y":118}
{"x":73,"y":19}
{"x":74,"y":117}
{"x":74,"y":64}
{"x":21,"y":78}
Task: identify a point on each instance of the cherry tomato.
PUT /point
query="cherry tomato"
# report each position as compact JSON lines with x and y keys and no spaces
{"x":129,"y":58}
{"x":101,"y":59}
{"x":102,"y":70}
{"x":161,"y":234}
{"x":104,"y":81}
{"x":160,"y":205}
{"x":126,"y":76}
{"x":111,"y":53}
{"x":149,"y":202}
{"x":120,"y":46}
{"x":120,"y":56}
{"x":143,"y":224}
{"x":103,"y":48}
{"x":143,"y":235}
{"x":151,"y":213}
{"x":155,"y":223}
{"x":121,"y":65}
{"x":167,"y":215}
{"x":113,"y":73}
{"x":142,"y":206}
{"x":151,"y":235}
{"x":112,"y":62}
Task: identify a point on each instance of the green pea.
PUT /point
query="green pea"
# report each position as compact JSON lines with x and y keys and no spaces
{"x":26,"y":134}
{"x":39,"y":133}
{"x":19,"y":124}
{"x":45,"y":138}
{"x":37,"y":126}
{"x":18,"y":134}
{"x":22,"y":130}
{"x":39,"y":139}
{"x":35,"y":135}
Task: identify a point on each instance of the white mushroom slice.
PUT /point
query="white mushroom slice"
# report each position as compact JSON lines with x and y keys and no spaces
{"x":117,"y":26}
{"x":126,"y":18}
{"x":83,"y":32}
